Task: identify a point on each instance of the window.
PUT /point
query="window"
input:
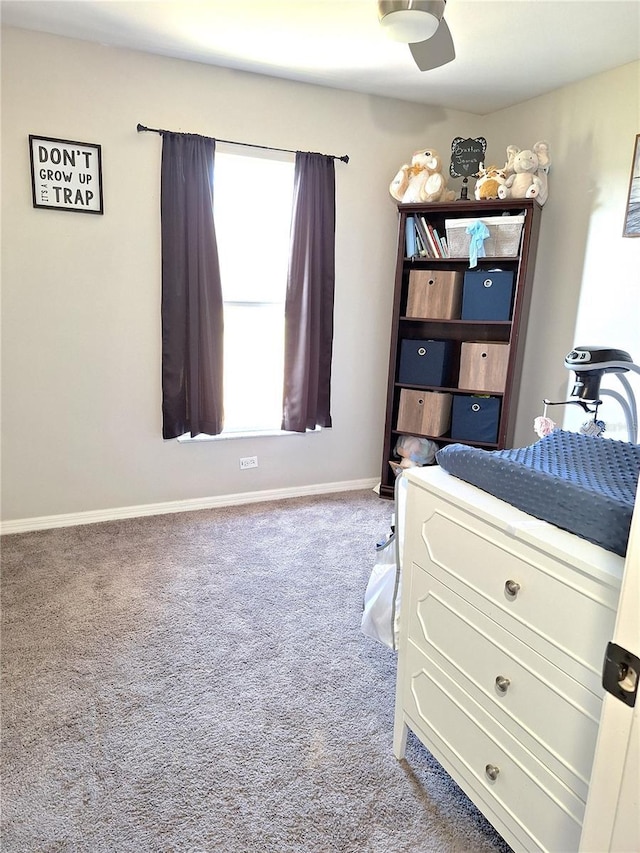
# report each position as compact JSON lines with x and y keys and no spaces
{"x":253,"y":194}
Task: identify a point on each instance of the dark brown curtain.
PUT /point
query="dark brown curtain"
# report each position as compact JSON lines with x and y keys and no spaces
{"x":192,"y":311}
{"x":310,"y":293}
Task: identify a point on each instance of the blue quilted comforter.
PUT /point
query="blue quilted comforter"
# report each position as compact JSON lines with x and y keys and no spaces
{"x":583,"y":484}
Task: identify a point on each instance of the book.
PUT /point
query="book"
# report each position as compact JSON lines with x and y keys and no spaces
{"x":432,"y":241}
{"x":421,"y":248}
{"x":439,"y":242}
{"x":421,"y":232}
{"x":410,"y":237}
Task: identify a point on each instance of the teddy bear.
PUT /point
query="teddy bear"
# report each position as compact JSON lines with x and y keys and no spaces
{"x":422,"y":181}
{"x":528,"y":173}
{"x":488,"y":182}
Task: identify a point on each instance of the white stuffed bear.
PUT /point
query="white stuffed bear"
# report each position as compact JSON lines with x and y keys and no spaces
{"x":528,"y":173}
{"x":422,"y":181}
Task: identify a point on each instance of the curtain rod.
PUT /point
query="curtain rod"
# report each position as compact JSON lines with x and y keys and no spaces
{"x":141,"y":127}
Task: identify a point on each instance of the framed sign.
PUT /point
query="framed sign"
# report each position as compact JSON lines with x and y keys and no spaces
{"x":632,"y":215}
{"x":66,"y":175}
{"x":466,"y":157}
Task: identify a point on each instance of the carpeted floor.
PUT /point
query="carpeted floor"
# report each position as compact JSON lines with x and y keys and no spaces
{"x":198,"y":682}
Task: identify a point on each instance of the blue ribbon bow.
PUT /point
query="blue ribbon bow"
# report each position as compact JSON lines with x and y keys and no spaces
{"x":478,"y":232}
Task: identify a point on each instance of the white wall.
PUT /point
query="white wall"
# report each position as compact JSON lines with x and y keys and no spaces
{"x":81,"y":342}
{"x":81,"y":294}
{"x":587,"y":284}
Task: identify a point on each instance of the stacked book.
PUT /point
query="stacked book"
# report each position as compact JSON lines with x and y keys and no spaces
{"x":423,"y":240}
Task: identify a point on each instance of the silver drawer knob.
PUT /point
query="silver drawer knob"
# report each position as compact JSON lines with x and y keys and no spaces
{"x":492,"y":771}
{"x":512,"y":588}
{"x":502,"y":683}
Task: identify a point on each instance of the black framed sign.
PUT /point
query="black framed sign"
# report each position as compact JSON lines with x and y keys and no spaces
{"x":632,"y":215}
{"x":466,"y":157}
{"x":66,"y":175}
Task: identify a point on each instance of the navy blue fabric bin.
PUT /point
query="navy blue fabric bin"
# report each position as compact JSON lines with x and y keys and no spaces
{"x":425,"y":362}
{"x":487,"y":295}
{"x":475,"y":418}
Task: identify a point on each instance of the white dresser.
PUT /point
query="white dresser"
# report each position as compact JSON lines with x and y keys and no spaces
{"x":503,"y":628}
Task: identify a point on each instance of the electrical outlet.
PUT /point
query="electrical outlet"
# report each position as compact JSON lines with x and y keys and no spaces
{"x":248,"y":462}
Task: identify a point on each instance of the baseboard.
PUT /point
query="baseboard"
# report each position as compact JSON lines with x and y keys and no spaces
{"x":71,"y":519}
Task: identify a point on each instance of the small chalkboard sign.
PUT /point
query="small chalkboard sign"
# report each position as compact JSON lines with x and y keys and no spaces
{"x":466,"y":157}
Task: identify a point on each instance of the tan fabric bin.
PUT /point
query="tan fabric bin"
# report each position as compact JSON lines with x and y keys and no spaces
{"x":483,"y":366}
{"x":435,"y":294}
{"x":424,"y":412}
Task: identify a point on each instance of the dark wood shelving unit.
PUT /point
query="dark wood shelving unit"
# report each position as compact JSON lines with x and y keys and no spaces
{"x":458,"y":331}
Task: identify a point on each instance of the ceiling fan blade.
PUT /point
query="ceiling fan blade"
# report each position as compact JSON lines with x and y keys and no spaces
{"x":436,"y":51}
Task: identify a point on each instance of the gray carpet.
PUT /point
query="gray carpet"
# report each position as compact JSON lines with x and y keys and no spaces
{"x":198,"y":682}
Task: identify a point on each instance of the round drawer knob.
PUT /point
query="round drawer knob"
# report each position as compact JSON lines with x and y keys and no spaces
{"x":492,"y":772}
{"x":502,"y":683}
{"x":512,"y":588}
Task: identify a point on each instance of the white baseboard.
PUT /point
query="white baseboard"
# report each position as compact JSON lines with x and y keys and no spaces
{"x":46,"y":522}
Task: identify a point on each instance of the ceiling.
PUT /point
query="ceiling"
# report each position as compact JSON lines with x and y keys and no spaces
{"x":507,"y":50}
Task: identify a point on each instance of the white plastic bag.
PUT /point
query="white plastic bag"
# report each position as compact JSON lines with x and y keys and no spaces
{"x":379,"y":619}
{"x":381,"y":616}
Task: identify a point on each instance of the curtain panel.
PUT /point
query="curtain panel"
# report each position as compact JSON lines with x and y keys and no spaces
{"x":192,"y":308}
{"x":310,"y":296}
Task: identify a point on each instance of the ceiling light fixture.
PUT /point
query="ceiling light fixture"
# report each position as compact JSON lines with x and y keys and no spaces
{"x":410,"y":21}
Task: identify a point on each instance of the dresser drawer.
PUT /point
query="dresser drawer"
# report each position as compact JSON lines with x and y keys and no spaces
{"x":566,"y":616}
{"x":551,"y":714}
{"x":468,"y":741}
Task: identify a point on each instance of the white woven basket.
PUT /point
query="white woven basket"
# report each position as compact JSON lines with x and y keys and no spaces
{"x":503,"y":240}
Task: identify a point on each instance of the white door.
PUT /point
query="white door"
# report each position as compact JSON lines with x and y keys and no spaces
{"x":612,"y":818}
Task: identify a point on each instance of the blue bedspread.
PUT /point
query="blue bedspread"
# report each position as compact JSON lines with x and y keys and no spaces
{"x":583,"y":484}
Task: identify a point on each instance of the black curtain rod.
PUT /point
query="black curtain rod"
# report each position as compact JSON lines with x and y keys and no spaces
{"x":141,"y":128}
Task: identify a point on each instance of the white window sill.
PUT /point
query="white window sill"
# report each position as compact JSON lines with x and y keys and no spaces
{"x":225,"y":436}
